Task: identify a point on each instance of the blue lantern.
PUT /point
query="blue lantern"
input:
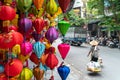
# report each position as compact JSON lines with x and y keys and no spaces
{"x":63,"y":71}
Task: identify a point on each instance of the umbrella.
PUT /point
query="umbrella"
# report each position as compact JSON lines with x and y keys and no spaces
{"x":94,"y":42}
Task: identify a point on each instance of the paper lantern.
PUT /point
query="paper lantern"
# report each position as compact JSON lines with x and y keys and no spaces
{"x":7,"y":13}
{"x":38,"y":48}
{"x":38,"y":3}
{"x":39,"y":24}
{"x":63,"y":49}
{"x":38,"y":73}
{"x":51,"y":34}
{"x":8,"y":40}
{"x":63,"y":71}
{"x":34,"y":58}
{"x":13,"y":67}
{"x":26,"y":74}
{"x":26,"y":48}
{"x":25,"y":25}
{"x":24,"y":5}
{"x":63,"y":27}
{"x":51,"y":61}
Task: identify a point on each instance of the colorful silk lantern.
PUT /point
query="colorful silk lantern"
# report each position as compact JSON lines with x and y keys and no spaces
{"x":24,"y":5}
{"x":38,"y":48}
{"x":26,"y":48}
{"x":8,"y":40}
{"x":25,"y":25}
{"x":38,"y":3}
{"x":13,"y":67}
{"x":63,"y":49}
{"x":34,"y":59}
{"x":36,"y":36}
{"x":7,"y":13}
{"x":26,"y":74}
{"x":51,"y":60}
{"x":64,"y":4}
{"x":63,"y":71}
{"x":38,"y":73}
{"x":63,"y":26}
{"x":39,"y":24}
{"x":51,"y":34}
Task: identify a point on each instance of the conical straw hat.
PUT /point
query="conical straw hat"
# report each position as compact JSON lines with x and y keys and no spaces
{"x":94,"y":42}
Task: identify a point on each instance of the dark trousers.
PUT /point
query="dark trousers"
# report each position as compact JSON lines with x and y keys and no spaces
{"x":94,"y":59}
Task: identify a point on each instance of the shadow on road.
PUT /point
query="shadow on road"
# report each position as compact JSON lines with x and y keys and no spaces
{"x":94,"y":74}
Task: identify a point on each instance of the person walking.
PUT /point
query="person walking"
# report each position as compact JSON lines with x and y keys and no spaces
{"x":94,"y":51}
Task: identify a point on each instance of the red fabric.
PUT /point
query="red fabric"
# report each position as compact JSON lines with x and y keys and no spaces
{"x":13,"y":68}
{"x":8,"y":40}
{"x":34,"y":58}
{"x":51,"y":61}
{"x":7,"y":13}
{"x":39,"y":24}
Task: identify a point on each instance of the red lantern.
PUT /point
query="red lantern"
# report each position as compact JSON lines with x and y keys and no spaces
{"x":64,"y":4}
{"x":51,"y":60}
{"x":7,"y":13}
{"x":14,"y":67}
{"x":34,"y":58}
{"x":8,"y":40}
{"x":39,"y":24}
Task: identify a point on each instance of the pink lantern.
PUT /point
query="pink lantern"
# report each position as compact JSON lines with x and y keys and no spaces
{"x":26,"y":48}
{"x":63,"y":49}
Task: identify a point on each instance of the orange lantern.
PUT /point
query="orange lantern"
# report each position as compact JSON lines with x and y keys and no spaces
{"x":38,"y":3}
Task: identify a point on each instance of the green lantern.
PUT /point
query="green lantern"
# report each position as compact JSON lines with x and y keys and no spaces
{"x":24,"y":5}
{"x":63,"y":27}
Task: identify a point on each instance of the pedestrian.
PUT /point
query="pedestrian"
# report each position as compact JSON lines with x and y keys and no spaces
{"x":94,"y":51}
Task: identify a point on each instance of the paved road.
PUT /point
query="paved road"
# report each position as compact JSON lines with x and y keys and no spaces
{"x":77,"y":57}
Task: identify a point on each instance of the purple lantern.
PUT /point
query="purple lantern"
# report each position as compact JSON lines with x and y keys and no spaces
{"x":51,"y":34}
{"x":25,"y":25}
{"x":36,"y":36}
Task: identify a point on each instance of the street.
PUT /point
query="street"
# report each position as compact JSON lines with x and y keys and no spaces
{"x":77,"y":57}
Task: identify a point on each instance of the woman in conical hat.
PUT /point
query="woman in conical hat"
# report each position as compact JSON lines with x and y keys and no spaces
{"x":94,"y":51}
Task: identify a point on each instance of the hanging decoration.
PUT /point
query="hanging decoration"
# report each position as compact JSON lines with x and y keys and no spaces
{"x":38,"y":73}
{"x":26,"y":74}
{"x":7,"y":12}
{"x":63,"y":49}
{"x":27,"y":32}
{"x":24,"y":5}
{"x":63,"y":26}
{"x":51,"y":34}
{"x":13,"y":67}
{"x":38,"y":48}
{"x":63,"y":71}
{"x":64,"y":4}
{"x":38,"y":24}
